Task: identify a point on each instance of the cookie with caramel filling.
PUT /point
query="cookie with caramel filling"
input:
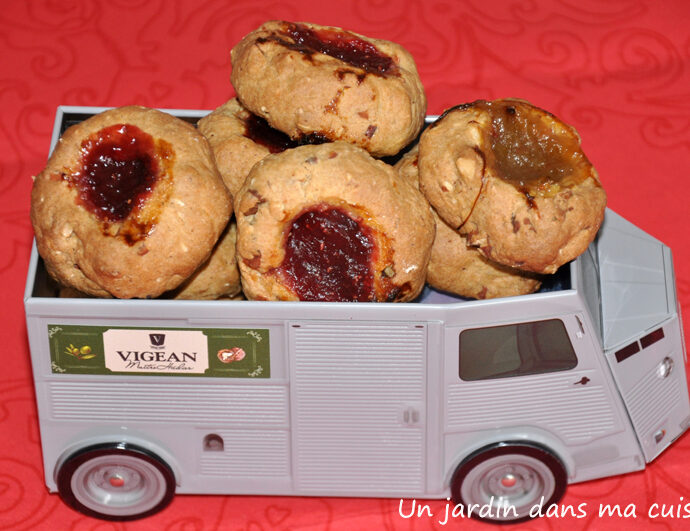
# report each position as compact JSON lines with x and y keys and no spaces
{"x":330,"y":223}
{"x":239,"y":139}
{"x":456,"y":267}
{"x":318,"y":81}
{"x":514,"y":180}
{"x":129,"y":205}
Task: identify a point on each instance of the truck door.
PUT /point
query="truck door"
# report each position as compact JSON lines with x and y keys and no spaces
{"x":357,"y":392}
{"x":538,"y":377}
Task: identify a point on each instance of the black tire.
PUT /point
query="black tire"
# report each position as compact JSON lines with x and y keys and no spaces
{"x":516,"y":474}
{"x":116,"y":482}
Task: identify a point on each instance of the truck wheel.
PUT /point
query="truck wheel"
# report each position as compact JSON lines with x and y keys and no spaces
{"x":116,"y":482}
{"x":509,"y":482}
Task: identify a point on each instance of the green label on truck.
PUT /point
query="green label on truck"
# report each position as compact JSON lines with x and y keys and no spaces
{"x":209,"y":352}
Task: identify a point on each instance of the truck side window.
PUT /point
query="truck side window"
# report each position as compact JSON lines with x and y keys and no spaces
{"x":515,"y":350}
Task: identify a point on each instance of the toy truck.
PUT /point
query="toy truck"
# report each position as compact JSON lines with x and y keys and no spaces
{"x":502,"y":402}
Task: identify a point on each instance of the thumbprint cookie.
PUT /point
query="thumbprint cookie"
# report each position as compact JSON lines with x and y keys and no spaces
{"x":129,"y":204}
{"x":313,"y":81}
{"x":330,"y":223}
{"x":514,"y":180}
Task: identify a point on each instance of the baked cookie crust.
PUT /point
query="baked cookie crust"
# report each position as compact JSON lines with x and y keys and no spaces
{"x":457,"y":267}
{"x":293,"y":208}
{"x":239,"y":139}
{"x":129,"y":204}
{"x":318,"y":81}
{"x":513,"y":179}
{"x":219,"y":276}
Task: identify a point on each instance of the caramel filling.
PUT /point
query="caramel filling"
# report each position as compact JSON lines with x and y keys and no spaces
{"x":530,"y":154}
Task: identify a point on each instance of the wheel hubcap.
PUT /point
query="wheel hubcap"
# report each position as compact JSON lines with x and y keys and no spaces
{"x":118,"y":485}
{"x":511,"y":485}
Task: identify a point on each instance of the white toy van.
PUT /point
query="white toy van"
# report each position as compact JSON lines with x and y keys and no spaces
{"x":500,"y":402}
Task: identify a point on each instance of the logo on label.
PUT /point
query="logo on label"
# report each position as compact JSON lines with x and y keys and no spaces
{"x":157,"y":340}
{"x":228,"y":355}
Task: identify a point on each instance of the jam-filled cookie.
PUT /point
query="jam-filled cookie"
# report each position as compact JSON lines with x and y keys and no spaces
{"x":514,"y":179}
{"x":330,"y":223}
{"x":129,"y":204}
{"x":458,"y":268}
{"x":309,"y":80}
{"x":219,"y":276}
{"x":239,"y":139}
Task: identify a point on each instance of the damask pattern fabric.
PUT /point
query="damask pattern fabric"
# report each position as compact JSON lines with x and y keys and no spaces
{"x":619,"y":72}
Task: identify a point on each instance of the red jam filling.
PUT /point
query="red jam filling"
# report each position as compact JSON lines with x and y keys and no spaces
{"x":341,"y":45}
{"x":258,"y":130}
{"x":328,"y":257}
{"x":119,"y":170}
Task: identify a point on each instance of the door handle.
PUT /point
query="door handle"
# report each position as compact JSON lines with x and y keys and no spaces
{"x":582,"y":381}
{"x":410,"y":416}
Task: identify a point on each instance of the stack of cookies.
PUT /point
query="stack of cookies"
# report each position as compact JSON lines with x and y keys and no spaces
{"x":286,"y":192}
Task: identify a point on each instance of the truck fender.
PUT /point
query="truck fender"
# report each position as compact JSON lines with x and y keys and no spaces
{"x":511,"y":478}
{"x":520,"y":434}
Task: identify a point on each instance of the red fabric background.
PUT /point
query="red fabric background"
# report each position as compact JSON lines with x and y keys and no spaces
{"x":619,"y":71}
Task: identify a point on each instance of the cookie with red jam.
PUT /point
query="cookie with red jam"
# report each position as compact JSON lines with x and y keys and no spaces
{"x":129,"y":205}
{"x":313,"y":81}
{"x":456,"y":267}
{"x":514,"y":180}
{"x":330,"y":223}
{"x":239,"y":139}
